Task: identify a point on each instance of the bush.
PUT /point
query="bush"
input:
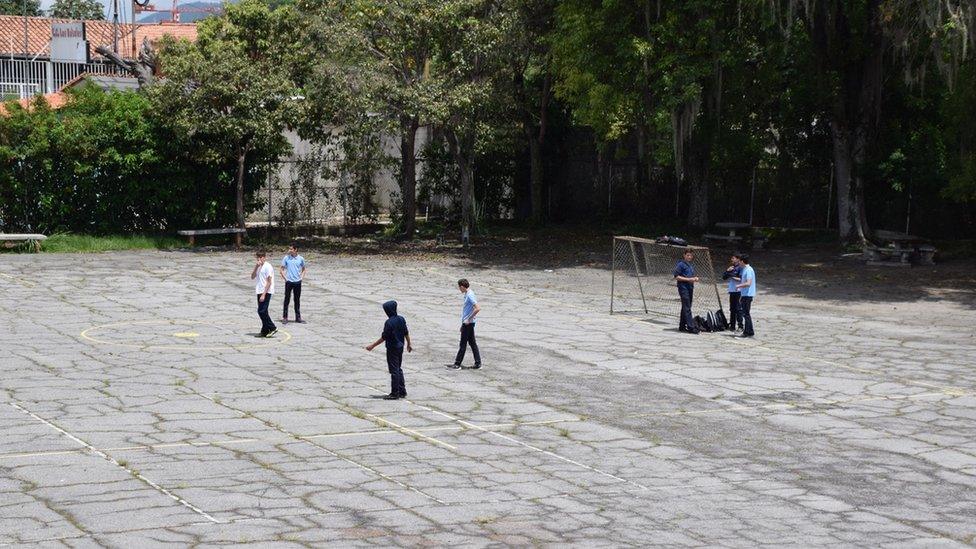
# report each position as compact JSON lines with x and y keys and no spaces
{"x":105,"y":164}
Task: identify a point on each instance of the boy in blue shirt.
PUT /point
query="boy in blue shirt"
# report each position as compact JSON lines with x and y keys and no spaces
{"x":395,"y":333}
{"x":748,"y":289}
{"x":293,"y":271}
{"x":734,"y":275}
{"x":469,"y":310}
{"x":684,"y":275}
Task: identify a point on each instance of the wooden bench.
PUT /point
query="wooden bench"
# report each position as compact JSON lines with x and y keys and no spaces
{"x":192,"y":234}
{"x":33,"y":240}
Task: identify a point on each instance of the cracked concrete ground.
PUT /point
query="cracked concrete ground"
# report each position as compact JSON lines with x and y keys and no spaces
{"x":138,"y":410}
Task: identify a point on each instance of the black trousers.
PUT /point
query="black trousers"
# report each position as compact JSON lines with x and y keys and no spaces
{"x":295,"y":287}
{"x":394,"y":362}
{"x":266,"y":324}
{"x":467,"y":338}
{"x":735,"y":314}
{"x":746,"y":305}
{"x":687,"y":321}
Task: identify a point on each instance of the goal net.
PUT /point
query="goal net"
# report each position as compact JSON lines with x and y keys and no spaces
{"x":642,"y":279}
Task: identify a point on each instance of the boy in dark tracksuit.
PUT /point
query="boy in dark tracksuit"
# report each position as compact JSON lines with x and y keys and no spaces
{"x":684,"y":275}
{"x":394,"y":334}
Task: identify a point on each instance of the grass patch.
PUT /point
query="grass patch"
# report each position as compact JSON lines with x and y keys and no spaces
{"x":79,"y":243}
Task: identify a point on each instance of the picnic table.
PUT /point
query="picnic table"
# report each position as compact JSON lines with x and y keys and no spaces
{"x":732,"y":227}
{"x":33,"y":240}
{"x":192,"y":234}
{"x":902,"y":246}
{"x":757,"y":239}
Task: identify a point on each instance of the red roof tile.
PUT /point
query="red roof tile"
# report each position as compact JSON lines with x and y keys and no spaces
{"x":99,"y":33}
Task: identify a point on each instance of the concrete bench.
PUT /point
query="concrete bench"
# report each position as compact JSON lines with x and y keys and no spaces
{"x":878,"y":256}
{"x":192,"y":234}
{"x":34,"y":240}
{"x":723,"y":238}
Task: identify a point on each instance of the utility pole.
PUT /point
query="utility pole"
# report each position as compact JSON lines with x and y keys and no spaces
{"x":26,"y":39}
{"x":115,"y":26}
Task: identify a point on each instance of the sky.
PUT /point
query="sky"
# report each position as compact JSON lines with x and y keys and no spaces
{"x":124,"y":4}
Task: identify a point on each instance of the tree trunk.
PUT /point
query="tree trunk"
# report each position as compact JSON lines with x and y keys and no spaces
{"x":241,"y":158}
{"x":697,"y":174}
{"x":536,"y":182}
{"x":463,"y":151}
{"x":408,"y":181}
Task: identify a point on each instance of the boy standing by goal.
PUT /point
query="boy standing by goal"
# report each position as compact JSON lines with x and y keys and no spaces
{"x":263,"y":275}
{"x":748,"y":289}
{"x":734,"y":275}
{"x":469,"y":310}
{"x":684,"y":275}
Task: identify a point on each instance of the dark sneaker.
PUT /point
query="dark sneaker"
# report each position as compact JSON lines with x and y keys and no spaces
{"x":454,"y":366}
{"x":392,"y":396}
{"x":476,"y":367}
{"x":284,"y":320}
{"x":272,"y":333}
{"x":299,"y":320}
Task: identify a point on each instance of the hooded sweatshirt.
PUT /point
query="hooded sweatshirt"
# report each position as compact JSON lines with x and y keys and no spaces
{"x":395,"y":328}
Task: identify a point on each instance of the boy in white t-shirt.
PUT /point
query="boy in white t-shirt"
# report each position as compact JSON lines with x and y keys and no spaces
{"x":263,"y":275}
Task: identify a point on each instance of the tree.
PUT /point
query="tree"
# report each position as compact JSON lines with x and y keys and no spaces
{"x":382,"y":50}
{"x":78,"y":9}
{"x":227,"y":93}
{"x":466,"y":72}
{"x":530,"y":64}
{"x":17,"y":7}
{"x":856,"y":44}
{"x":650,"y":68}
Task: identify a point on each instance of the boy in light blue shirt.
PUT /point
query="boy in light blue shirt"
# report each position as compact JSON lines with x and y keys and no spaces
{"x":748,"y":289}
{"x":734,"y":275}
{"x":469,"y":310}
{"x":293,"y":271}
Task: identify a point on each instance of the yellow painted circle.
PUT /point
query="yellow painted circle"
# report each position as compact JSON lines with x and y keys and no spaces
{"x":93,"y":335}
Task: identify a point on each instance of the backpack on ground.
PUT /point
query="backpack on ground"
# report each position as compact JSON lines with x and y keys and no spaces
{"x":702,"y":324}
{"x":721,"y":321}
{"x":712,"y":320}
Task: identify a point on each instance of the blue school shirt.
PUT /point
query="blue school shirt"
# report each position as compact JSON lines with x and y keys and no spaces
{"x":293,"y":267}
{"x":736,"y":273}
{"x":748,"y":274}
{"x":469,"y":302}
{"x":684,"y":269}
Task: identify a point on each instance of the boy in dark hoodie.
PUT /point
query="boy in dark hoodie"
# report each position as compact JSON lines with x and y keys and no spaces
{"x":394,"y":334}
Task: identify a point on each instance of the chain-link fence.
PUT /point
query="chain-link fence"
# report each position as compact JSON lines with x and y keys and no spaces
{"x":642,"y":279}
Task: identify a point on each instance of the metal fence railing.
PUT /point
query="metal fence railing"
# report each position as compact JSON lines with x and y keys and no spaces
{"x":25,"y":78}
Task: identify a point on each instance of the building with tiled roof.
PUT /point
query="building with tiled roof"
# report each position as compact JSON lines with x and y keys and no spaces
{"x":26,"y":67}
{"x":99,"y":33}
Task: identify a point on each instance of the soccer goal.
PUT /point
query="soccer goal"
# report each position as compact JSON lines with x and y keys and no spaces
{"x":642,"y":281}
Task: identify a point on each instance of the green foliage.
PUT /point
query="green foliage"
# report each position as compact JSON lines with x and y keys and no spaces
{"x":16,"y":7}
{"x":74,"y":243}
{"x":102,"y":164}
{"x":227,"y":96}
{"x":78,"y":9}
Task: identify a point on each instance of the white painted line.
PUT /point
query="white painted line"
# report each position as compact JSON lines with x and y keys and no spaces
{"x":112,"y":460}
{"x":228,"y":442}
{"x":410,"y":432}
{"x":470,"y":425}
{"x":320,"y":447}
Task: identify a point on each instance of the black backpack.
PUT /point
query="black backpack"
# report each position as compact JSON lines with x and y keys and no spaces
{"x":713,"y":322}
{"x":721,"y":323}
{"x":703,"y":324}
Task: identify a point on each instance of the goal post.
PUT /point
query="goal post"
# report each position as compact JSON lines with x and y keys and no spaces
{"x":642,"y":280}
